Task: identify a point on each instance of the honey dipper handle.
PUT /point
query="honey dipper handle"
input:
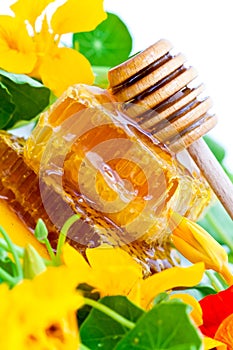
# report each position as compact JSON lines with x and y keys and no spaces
{"x":214,"y":174}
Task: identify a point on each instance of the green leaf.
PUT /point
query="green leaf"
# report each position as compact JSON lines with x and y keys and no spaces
{"x":8,"y":266}
{"x":198,"y":292}
{"x":101,"y":76}
{"x":219,"y":153}
{"x":6,"y":106}
{"x":101,"y":331}
{"x":108,"y":45}
{"x":219,"y":224}
{"x":166,"y":327}
{"x":216,"y":148}
{"x":29,"y":96}
{"x":90,"y":293}
{"x":160,"y":298}
{"x":230,"y":175}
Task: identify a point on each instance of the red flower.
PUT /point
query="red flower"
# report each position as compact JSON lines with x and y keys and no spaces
{"x":215,"y":309}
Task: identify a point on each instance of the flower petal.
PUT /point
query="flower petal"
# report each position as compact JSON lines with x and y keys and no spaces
{"x":65,"y":67}
{"x":18,"y":231}
{"x":168,"y":279}
{"x":117,"y":281}
{"x":196,"y":313}
{"x":196,"y":245}
{"x":210,"y":343}
{"x":106,"y":275}
{"x":29,"y":9}
{"x":225,"y":332}
{"x":37,"y":306}
{"x":106,"y":255}
{"x":73,"y":259}
{"x":115,"y":272}
{"x":17,"y":50}
{"x":215,"y":309}
{"x":78,"y":16}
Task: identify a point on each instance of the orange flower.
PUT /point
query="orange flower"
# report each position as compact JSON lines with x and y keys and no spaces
{"x":225,"y":332}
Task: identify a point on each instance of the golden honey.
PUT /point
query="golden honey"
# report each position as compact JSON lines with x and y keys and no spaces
{"x":123,"y":183}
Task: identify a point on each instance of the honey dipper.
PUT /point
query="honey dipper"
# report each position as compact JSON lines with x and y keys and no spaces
{"x":172,"y":111}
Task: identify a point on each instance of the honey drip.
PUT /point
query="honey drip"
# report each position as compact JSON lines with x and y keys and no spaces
{"x":141,"y":174}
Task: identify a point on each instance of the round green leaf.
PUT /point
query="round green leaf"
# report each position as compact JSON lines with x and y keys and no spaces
{"x":165,"y":327}
{"x":108,"y":45}
{"x":99,"y":331}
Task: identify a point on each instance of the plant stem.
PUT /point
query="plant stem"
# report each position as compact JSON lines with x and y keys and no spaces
{"x":109,"y":312}
{"x":63,"y":234}
{"x":49,"y":249}
{"x":6,"y":277}
{"x":13,"y":252}
{"x":19,"y":250}
{"x":214,"y":281}
{"x":225,"y":238}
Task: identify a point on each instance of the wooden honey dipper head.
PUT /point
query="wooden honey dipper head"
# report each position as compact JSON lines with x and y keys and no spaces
{"x":158,"y":81}
{"x":154,"y":87}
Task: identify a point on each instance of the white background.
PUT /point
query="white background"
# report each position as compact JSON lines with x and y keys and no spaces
{"x":203,"y":31}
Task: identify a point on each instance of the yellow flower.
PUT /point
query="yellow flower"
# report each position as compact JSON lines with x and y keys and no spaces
{"x":40,"y":313}
{"x":169,"y":279}
{"x":198,"y":246}
{"x":17,"y":49}
{"x":30,"y":41}
{"x":112,"y":271}
{"x":210,"y":344}
{"x":18,"y":231}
